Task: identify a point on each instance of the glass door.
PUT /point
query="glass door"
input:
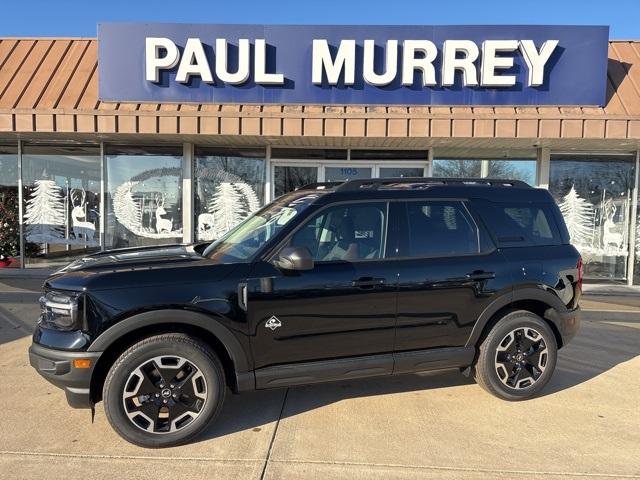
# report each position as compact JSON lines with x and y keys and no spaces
{"x":402,"y":171}
{"x":345,"y":172}
{"x":287,"y":176}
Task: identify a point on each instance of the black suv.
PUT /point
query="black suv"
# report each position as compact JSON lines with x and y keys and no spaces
{"x":330,"y":282}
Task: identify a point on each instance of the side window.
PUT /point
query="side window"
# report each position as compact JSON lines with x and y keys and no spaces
{"x":347,"y":232}
{"x":439,"y":229}
{"x":518,"y":225}
{"x":532,"y":220}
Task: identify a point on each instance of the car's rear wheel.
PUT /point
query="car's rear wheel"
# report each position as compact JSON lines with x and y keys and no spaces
{"x":518,"y":356}
{"x":164,"y":390}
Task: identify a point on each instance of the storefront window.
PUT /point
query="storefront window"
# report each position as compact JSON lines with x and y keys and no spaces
{"x":594,"y":195}
{"x":229,"y":186}
{"x":9,"y":224}
{"x":486,"y":163}
{"x":287,"y":178}
{"x":61,"y":195}
{"x":524,"y":170}
{"x":144,"y":190}
{"x":636,"y":268}
{"x":457,"y":167}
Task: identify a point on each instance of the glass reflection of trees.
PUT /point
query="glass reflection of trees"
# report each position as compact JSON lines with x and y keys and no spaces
{"x":524,"y":170}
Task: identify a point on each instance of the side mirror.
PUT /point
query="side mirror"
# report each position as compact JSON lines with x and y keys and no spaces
{"x":294,"y":258}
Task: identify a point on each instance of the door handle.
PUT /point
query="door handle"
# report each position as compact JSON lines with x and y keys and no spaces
{"x":479,"y":275}
{"x":367,"y":282}
{"x":242,"y":295}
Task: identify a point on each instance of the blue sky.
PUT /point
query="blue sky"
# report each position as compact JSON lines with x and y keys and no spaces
{"x":79,"y":18}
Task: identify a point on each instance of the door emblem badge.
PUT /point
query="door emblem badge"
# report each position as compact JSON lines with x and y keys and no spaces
{"x":273,"y":323}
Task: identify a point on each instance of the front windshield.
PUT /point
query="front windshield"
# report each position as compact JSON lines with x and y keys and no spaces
{"x":243,"y":241}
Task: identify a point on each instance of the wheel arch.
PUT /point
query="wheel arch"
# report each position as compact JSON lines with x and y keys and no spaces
{"x":536,"y":300}
{"x":116,"y":339}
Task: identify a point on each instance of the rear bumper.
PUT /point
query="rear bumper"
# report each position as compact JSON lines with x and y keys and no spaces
{"x":568,"y":322}
{"x":57,"y":367}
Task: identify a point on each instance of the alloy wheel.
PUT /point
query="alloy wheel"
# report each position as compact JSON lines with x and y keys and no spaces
{"x":521,"y":358}
{"x":164,"y":394}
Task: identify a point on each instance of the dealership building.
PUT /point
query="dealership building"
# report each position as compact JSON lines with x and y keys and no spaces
{"x":158,"y":133}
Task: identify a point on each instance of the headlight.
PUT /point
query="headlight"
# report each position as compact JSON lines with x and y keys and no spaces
{"x":61,"y":311}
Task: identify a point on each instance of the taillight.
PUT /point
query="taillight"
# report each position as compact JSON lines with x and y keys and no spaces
{"x":580,"y":268}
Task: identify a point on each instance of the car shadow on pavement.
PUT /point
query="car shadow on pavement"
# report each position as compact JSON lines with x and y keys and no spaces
{"x":19,"y":308}
{"x":599,"y":347}
{"x":253,"y":410}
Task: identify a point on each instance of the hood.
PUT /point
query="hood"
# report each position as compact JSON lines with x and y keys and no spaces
{"x":132,"y":267}
{"x":138,"y":257}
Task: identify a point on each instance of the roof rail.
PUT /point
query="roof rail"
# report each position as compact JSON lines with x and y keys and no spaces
{"x":377,"y":183}
{"x":319,"y":186}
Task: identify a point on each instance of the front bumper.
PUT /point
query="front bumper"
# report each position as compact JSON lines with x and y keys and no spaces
{"x":57,"y":367}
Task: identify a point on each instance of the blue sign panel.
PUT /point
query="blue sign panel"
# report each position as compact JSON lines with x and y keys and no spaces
{"x":390,"y":65}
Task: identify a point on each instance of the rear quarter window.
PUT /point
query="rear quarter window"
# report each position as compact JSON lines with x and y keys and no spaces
{"x":515,"y":225}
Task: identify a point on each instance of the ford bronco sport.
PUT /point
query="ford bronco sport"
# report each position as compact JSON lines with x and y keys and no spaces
{"x":330,"y":282}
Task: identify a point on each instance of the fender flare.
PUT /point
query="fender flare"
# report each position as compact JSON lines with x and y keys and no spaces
{"x":527,"y":293}
{"x":184,"y":317}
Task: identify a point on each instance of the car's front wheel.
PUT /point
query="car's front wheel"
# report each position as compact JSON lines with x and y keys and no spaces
{"x":518,"y":356}
{"x":164,"y":390}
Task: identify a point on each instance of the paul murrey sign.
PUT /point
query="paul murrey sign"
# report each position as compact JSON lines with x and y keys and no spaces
{"x":368,"y":65}
{"x":162,"y":53}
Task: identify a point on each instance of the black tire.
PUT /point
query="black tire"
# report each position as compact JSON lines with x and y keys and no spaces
{"x":504,"y":372}
{"x":196,"y":398}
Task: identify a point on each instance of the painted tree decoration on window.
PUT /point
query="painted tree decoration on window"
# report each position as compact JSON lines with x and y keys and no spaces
{"x":45,"y":216}
{"x":128,"y":210}
{"x":579,"y":216}
{"x":250,"y":197}
{"x":226,"y":208}
{"x":231,"y":203}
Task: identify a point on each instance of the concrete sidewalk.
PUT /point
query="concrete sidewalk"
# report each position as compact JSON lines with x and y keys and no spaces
{"x":585,"y":425}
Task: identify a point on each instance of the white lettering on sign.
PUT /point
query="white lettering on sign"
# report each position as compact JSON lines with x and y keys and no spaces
{"x":492,"y":62}
{"x":390,"y":67}
{"x":194,"y":62}
{"x":345,"y":60}
{"x":262,"y":77}
{"x":487,"y":66}
{"x":536,"y":60}
{"x":163,"y":54}
{"x":157,"y":61}
{"x":465,"y":64}
{"x":222,"y":69}
{"x":424,"y":64}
